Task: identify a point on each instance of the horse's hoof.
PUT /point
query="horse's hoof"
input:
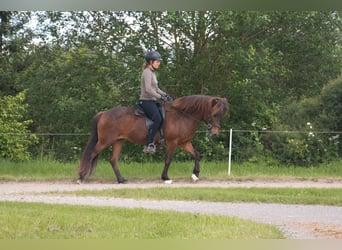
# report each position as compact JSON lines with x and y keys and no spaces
{"x":122,"y":181}
{"x":194,"y":178}
{"x":165,"y":178}
{"x":168,"y":182}
{"x":79,"y":181}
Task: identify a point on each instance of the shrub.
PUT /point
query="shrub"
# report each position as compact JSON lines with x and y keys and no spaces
{"x":15,"y":138}
{"x":302,"y":148}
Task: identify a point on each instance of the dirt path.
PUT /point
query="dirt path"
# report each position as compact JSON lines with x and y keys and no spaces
{"x":296,"y":221}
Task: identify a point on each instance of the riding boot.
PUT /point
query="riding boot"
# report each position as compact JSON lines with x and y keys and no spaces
{"x":150,"y":147}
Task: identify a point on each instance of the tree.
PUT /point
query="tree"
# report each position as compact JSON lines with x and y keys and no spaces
{"x":90,"y":60}
{"x":309,"y":43}
{"x":14,"y":41}
{"x":65,"y":89}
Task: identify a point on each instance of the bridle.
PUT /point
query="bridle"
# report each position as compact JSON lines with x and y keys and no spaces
{"x":209,"y":124}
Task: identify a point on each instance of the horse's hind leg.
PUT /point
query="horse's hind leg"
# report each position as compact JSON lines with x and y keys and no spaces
{"x":114,"y":160}
{"x":195,"y":155}
{"x":89,"y":161}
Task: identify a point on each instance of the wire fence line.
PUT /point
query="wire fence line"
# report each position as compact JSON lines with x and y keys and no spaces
{"x":199,"y":131}
{"x":47,"y":134}
{"x":230,"y":138}
{"x":288,"y":131}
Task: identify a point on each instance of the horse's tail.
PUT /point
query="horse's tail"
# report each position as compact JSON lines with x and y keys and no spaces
{"x":88,"y":163}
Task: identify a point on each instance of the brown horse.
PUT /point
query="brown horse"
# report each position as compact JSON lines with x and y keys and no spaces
{"x":182,"y":118}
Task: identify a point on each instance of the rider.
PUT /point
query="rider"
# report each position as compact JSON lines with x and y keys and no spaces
{"x":149,"y":93}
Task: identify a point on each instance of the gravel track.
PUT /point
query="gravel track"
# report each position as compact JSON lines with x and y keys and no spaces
{"x":296,"y":221}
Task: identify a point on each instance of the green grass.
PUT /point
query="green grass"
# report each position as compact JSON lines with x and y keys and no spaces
{"x":52,"y":170}
{"x":36,"y":170}
{"x":306,"y":196}
{"x":42,"y":221}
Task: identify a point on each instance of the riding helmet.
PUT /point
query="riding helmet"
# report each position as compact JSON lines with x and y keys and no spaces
{"x":152,"y":55}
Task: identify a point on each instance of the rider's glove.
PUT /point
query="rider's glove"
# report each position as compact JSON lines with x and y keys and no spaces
{"x":166,"y":98}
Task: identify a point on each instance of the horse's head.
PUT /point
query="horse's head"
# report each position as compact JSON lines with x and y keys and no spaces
{"x":219,"y":107}
{"x":204,"y":108}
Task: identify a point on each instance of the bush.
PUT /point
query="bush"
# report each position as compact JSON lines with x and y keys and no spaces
{"x":308,"y":148}
{"x":15,"y":138}
{"x":331,"y":117}
{"x":302,"y":148}
{"x":246,"y":146}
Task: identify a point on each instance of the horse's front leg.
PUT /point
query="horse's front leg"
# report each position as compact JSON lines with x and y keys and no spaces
{"x":168,"y":158}
{"x":114,"y":161}
{"x":195,"y":155}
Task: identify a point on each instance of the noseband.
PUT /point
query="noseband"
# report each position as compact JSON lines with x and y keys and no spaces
{"x":209,"y":124}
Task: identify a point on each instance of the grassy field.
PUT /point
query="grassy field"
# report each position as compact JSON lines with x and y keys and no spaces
{"x":42,"y":221}
{"x":52,"y":170}
{"x":305,"y":196}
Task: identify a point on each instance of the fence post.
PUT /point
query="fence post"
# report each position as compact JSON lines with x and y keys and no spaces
{"x":230,"y":150}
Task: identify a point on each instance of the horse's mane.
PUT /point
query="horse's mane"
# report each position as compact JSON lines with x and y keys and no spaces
{"x":192,"y":104}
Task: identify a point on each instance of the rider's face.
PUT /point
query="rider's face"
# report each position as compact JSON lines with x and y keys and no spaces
{"x":155,"y":64}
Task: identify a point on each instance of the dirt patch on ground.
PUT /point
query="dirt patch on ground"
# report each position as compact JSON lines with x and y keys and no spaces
{"x":324,"y":231}
{"x":316,"y":230}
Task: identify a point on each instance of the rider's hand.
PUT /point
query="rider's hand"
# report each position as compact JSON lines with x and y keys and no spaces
{"x":166,"y":98}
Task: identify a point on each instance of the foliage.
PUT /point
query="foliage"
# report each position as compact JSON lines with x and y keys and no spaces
{"x":331,"y":117}
{"x":13,"y":41}
{"x":302,"y":149}
{"x":15,"y":137}
{"x":317,"y":113}
{"x":69,"y":82}
{"x":74,"y":64}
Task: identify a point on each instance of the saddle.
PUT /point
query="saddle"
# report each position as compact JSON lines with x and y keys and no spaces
{"x":140,"y":112}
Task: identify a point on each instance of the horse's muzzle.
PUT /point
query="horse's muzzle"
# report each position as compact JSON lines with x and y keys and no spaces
{"x":214,"y":131}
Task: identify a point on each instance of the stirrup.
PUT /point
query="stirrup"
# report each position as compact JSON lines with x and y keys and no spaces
{"x":150,"y":148}
{"x":162,"y":142}
{"x":161,"y":138}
